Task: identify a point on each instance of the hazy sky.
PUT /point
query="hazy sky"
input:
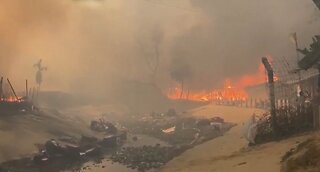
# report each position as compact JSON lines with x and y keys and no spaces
{"x":95,"y":44}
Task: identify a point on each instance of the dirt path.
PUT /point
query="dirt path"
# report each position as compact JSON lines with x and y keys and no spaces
{"x":230,"y":153}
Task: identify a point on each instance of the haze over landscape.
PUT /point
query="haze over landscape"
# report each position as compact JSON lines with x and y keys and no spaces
{"x":95,"y":45}
{"x":159,"y":85}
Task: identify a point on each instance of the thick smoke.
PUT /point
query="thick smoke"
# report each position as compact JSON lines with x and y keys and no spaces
{"x":92,"y":46}
{"x":18,"y":19}
{"x":238,"y":33}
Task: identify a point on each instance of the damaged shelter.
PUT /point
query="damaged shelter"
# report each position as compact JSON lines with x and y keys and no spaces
{"x":11,"y":102}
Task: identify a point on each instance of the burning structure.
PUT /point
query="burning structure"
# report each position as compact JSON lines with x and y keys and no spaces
{"x":11,"y":102}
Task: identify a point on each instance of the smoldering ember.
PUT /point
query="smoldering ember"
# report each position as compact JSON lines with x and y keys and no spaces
{"x":159,"y":86}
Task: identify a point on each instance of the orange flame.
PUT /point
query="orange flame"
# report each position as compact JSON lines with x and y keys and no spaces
{"x":253,"y":79}
{"x":230,"y":92}
{"x":12,"y":99}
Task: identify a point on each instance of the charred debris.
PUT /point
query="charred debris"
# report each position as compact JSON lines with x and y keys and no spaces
{"x":122,"y":142}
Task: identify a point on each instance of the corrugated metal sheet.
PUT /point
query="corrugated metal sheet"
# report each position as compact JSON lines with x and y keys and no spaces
{"x":286,"y":71}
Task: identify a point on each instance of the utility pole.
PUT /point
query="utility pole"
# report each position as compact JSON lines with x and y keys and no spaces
{"x":269,"y":69}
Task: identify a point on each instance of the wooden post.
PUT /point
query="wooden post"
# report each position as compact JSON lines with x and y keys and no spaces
{"x":271,"y":94}
{"x":1,"y":88}
{"x":27,"y":93}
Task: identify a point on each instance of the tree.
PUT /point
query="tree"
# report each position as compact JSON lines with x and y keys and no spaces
{"x":151,"y":49}
{"x":180,"y":72}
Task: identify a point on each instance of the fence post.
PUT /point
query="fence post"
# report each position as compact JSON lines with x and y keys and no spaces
{"x":271,"y":94}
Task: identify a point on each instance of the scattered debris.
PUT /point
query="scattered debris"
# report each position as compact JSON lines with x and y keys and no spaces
{"x":178,"y":133}
{"x":53,"y":150}
{"x":146,"y":157}
{"x":169,"y":130}
{"x":103,"y":126}
{"x":177,"y":130}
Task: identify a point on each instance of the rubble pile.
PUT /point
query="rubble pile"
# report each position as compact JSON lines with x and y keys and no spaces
{"x":146,"y":157}
{"x":177,"y":130}
{"x":53,"y":150}
{"x":56,"y":155}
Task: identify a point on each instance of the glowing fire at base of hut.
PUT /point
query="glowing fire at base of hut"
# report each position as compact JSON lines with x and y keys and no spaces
{"x":13,"y":99}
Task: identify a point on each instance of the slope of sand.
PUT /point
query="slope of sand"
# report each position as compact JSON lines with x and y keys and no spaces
{"x":20,"y":133}
{"x":230,"y":153}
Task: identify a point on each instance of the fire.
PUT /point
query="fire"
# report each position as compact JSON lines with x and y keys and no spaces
{"x":253,"y":79}
{"x":12,"y":99}
{"x":229,"y":92}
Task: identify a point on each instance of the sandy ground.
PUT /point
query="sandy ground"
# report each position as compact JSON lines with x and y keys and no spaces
{"x":230,"y":153}
{"x":20,"y":133}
